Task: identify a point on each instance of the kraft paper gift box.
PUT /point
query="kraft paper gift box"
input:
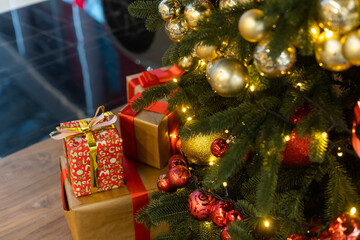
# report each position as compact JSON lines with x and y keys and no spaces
{"x":111,"y":214}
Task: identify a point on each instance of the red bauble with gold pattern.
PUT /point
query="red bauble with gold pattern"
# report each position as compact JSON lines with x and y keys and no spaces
{"x":344,"y":227}
{"x":224,"y":234}
{"x":164,"y":185}
{"x":179,"y":176}
{"x":297,"y":237}
{"x":219,"y":212}
{"x":296,"y":153}
{"x":199,"y":205}
{"x":219,"y":147}
{"x":233,"y":215}
{"x":177,"y":160}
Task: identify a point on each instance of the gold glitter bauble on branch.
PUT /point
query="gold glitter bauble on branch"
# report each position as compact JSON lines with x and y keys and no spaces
{"x":187,"y":63}
{"x":277,"y":67}
{"x":328,"y":52}
{"x":231,"y":4}
{"x":206,"y":52}
{"x":252,"y":25}
{"x":304,"y":35}
{"x":198,"y":149}
{"x":176,"y":29}
{"x":209,"y":67}
{"x":338,"y":15}
{"x":228,"y":77}
{"x":169,"y":9}
{"x":197,"y":11}
{"x":351,"y":47}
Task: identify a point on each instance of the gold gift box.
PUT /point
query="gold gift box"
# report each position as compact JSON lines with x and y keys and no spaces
{"x":106,"y":215}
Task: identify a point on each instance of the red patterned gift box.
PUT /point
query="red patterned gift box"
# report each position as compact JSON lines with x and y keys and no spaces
{"x":94,"y":151}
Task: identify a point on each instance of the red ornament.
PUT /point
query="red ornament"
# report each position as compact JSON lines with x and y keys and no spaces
{"x":296,"y":237}
{"x":296,"y":153}
{"x":300,"y":112}
{"x":355,"y":129}
{"x":199,"y":205}
{"x":344,"y":227}
{"x":219,"y":147}
{"x":164,"y":185}
{"x":177,"y":160}
{"x":224,"y":234}
{"x":178,"y":146}
{"x":219,"y":212}
{"x":233,"y":215}
{"x":325,"y":235}
{"x":179,"y":176}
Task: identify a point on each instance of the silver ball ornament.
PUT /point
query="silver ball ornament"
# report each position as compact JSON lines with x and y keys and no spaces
{"x":328,"y":52}
{"x":252,"y":25}
{"x":228,"y":77}
{"x":338,"y":15}
{"x":176,"y":29}
{"x":351,"y":47}
{"x":206,"y":52}
{"x":169,"y":9}
{"x":197,"y":11}
{"x":277,"y":67}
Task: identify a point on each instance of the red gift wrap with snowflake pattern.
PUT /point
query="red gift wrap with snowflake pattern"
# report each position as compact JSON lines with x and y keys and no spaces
{"x":108,"y":173}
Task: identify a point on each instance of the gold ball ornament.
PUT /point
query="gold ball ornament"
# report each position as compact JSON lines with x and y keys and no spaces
{"x":230,"y":51}
{"x":187,"y":63}
{"x":197,"y":11}
{"x":277,"y":67}
{"x":305,"y":35}
{"x":351,"y":47}
{"x":169,"y":9}
{"x":338,"y":15}
{"x":209,"y":67}
{"x":328,"y":52}
{"x":198,"y":149}
{"x":206,"y":52}
{"x":228,"y":77}
{"x":231,"y":4}
{"x":252,"y":25}
{"x":176,"y":29}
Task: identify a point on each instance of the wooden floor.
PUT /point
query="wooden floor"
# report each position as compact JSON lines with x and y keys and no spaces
{"x":30,"y":194}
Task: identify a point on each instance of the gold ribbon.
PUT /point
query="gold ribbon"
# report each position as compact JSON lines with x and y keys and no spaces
{"x":88,"y":130}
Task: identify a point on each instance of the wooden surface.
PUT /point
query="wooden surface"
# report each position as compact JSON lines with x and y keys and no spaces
{"x":30,"y":194}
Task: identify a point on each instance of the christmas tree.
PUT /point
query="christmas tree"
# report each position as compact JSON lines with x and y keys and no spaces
{"x":266,"y":108}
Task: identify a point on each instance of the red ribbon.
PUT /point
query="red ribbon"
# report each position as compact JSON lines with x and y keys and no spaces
{"x":154,"y":77}
{"x":63,"y":177}
{"x":127,"y":116}
{"x":356,"y":121}
{"x":139,"y":197}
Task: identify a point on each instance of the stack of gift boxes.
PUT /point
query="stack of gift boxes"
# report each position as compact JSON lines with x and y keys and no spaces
{"x":106,"y":178}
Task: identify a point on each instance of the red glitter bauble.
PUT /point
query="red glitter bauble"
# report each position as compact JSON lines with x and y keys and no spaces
{"x":233,"y":215}
{"x":219,"y":147}
{"x":296,"y":153}
{"x":300,"y":112}
{"x":177,"y":160}
{"x":163,"y":184}
{"x":199,"y":205}
{"x":296,"y":237}
{"x":224,"y":234}
{"x":344,"y":227}
{"x":179,"y":176}
{"x":219,"y":212}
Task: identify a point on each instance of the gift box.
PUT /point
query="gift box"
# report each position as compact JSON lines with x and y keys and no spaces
{"x":150,"y":134}
{"x":111,"y":214}
{"x":94,"y":149}
{"x":136,"y":83}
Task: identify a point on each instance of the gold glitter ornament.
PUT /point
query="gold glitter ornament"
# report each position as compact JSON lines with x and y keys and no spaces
{"x":206,"y":52}
{"x":187,"y":63}
{"x":252,"y":25}
{"x":231,"y":51}
{"x":351,"y":47}
{"x":273,"y":68}
{"x":305,"y":35}
{"x":228,"y":77}
{"x":176,"y":29}
{"x":198,"y":149}
{"x":169,"y":9}
{"x":328,"y":52}
{"x":338,"y":15}
{"x":197,"y":11}
{"x":231,"y":4}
